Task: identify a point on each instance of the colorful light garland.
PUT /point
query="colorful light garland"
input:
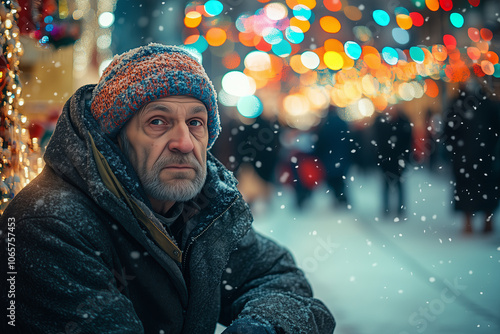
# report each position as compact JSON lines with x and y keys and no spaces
{"x":20,"y":155}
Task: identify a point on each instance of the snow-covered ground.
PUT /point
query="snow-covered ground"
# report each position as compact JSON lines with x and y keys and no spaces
{"x":378,"y":275}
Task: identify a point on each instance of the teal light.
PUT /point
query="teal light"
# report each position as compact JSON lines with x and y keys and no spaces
{"x":496,"y":74}
{"x":302,"y":13}
{"x":401,"y":11}
{"x":381,"y":17}
{"x":213,"y":7}
{"x":401,"y":36}
{"x":282,"y":49}
{"x":417,"y":54}
{"x":294,"y":35}
{"x":352,"y":50}
{"x":457,"y":20}
{"x":200,"y":45}
{"x":273,"y":36}
{"x":249,"y":106}
{"x":390,"y":55}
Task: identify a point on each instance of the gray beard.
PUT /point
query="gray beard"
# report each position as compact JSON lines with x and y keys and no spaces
{"x":178,"y":189}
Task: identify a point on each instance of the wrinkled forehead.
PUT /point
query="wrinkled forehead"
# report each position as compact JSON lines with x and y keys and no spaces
{"x":170,"y":103}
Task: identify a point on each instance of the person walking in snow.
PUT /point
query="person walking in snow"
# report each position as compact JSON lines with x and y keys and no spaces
{"x":333,"y":148}
{"x":393,"y":137}
{"x":471,"y":133}
{"x":133,"y":226}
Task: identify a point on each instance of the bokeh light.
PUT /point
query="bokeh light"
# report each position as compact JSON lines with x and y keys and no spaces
{"x":213,"y":7}
{"x":192,"y":19}
{"x":294,"y":35}
{"x":352,"y":49}
{"x":333,"y":5}
{"x":401,"y":36}
{"x":390,"y":55}
{"x":272,"y":35}
{"x":433,"y":5}
{"x":302,"y":13}
{"x":310,"y":60}
{"x":457,"y":20}
{"x":353,"y":13}
{"x":237,"y":83}
{"x":446,"y":5}
{"x":333,"y":60}
{"x":216,"y":36}
{"x":330,"y":24}
{"x":282,"y":49}
{"x":404,"y":21}
{"x":417,"y":18}
{"x":198,"y":42}
{"x":381,"y":17}
{"x":431,"y":88}
{"x":417,"y":54}
{"x":249,"y":106}
{"x":106,"y":19}
{"x":276,"y":11}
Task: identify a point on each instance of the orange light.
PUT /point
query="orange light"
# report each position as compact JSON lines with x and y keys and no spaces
{"x":308,"y":3}
{"x":483,"y":46}
{"x":353,"y":13}
{"x":231,"y":60}
{"x":486,"y":34}
{"x":216,"y":36}
{"x":302,"y":25}
{"x":333,"y":44}
{"x":192,"y":19}
{"x":330,"y":24}
{"x":473,"y":53}
{"x":296,"y":65}
{"x":432,"y":4}
{"x":473,"y":34}
{"x":432,"y":89}
{"x":292,"y":3}
{"x":404,"y":21}
{"x":333,"y":5}
{"x":492,"y":57}
{"x":247,"y":38}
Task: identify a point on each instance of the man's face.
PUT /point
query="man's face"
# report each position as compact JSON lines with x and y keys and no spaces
{"x":167,"y":146}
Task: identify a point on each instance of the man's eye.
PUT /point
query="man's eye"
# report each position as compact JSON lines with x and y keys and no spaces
{"x":157,"y":122}
{"x":195,"y":122}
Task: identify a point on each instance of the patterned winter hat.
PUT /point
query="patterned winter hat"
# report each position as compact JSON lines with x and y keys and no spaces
{"x":148,"y":73}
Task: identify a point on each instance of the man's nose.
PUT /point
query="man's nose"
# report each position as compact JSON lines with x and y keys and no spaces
{"x":181,"y":140}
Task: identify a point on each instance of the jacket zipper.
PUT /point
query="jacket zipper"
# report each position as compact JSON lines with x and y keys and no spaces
{"x":193,"y":239}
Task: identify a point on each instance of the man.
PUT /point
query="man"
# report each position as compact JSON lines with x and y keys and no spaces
{"x":133,"y":227}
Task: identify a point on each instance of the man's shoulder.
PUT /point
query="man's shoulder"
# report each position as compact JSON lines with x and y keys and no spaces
{"x":50,"y":196}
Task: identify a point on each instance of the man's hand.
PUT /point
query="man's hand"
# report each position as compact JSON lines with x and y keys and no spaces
{"x":247,"y":326}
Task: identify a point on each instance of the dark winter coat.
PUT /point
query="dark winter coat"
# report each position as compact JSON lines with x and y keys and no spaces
{"x":334,"y":145}
{"x":91,"y":257}
{"x":393,"y":137}
{"x":472,"y":137}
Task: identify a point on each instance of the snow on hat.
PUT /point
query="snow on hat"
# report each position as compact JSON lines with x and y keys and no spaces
{"x":148,"y":73}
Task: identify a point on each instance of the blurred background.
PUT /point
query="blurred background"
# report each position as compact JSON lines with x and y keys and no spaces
{"x":364,"y":134}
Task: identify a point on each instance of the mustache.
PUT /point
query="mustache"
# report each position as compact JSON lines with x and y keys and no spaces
{"x":178,"y":159}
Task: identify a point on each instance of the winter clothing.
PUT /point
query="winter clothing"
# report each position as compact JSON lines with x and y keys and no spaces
{"x":472,"y":129}
{"x":333,"y":149}
{"x":148,"y":73}
{"x":92,"y":257}
{"x":393,"y":137}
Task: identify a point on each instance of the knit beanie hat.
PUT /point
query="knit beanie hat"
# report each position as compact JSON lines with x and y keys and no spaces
{"x":145,"y":74}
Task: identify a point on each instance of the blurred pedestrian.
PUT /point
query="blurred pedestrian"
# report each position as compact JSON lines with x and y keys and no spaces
{"x":472,"y":132}
{"x":393,"y":137}
{"x":333,"y":149}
